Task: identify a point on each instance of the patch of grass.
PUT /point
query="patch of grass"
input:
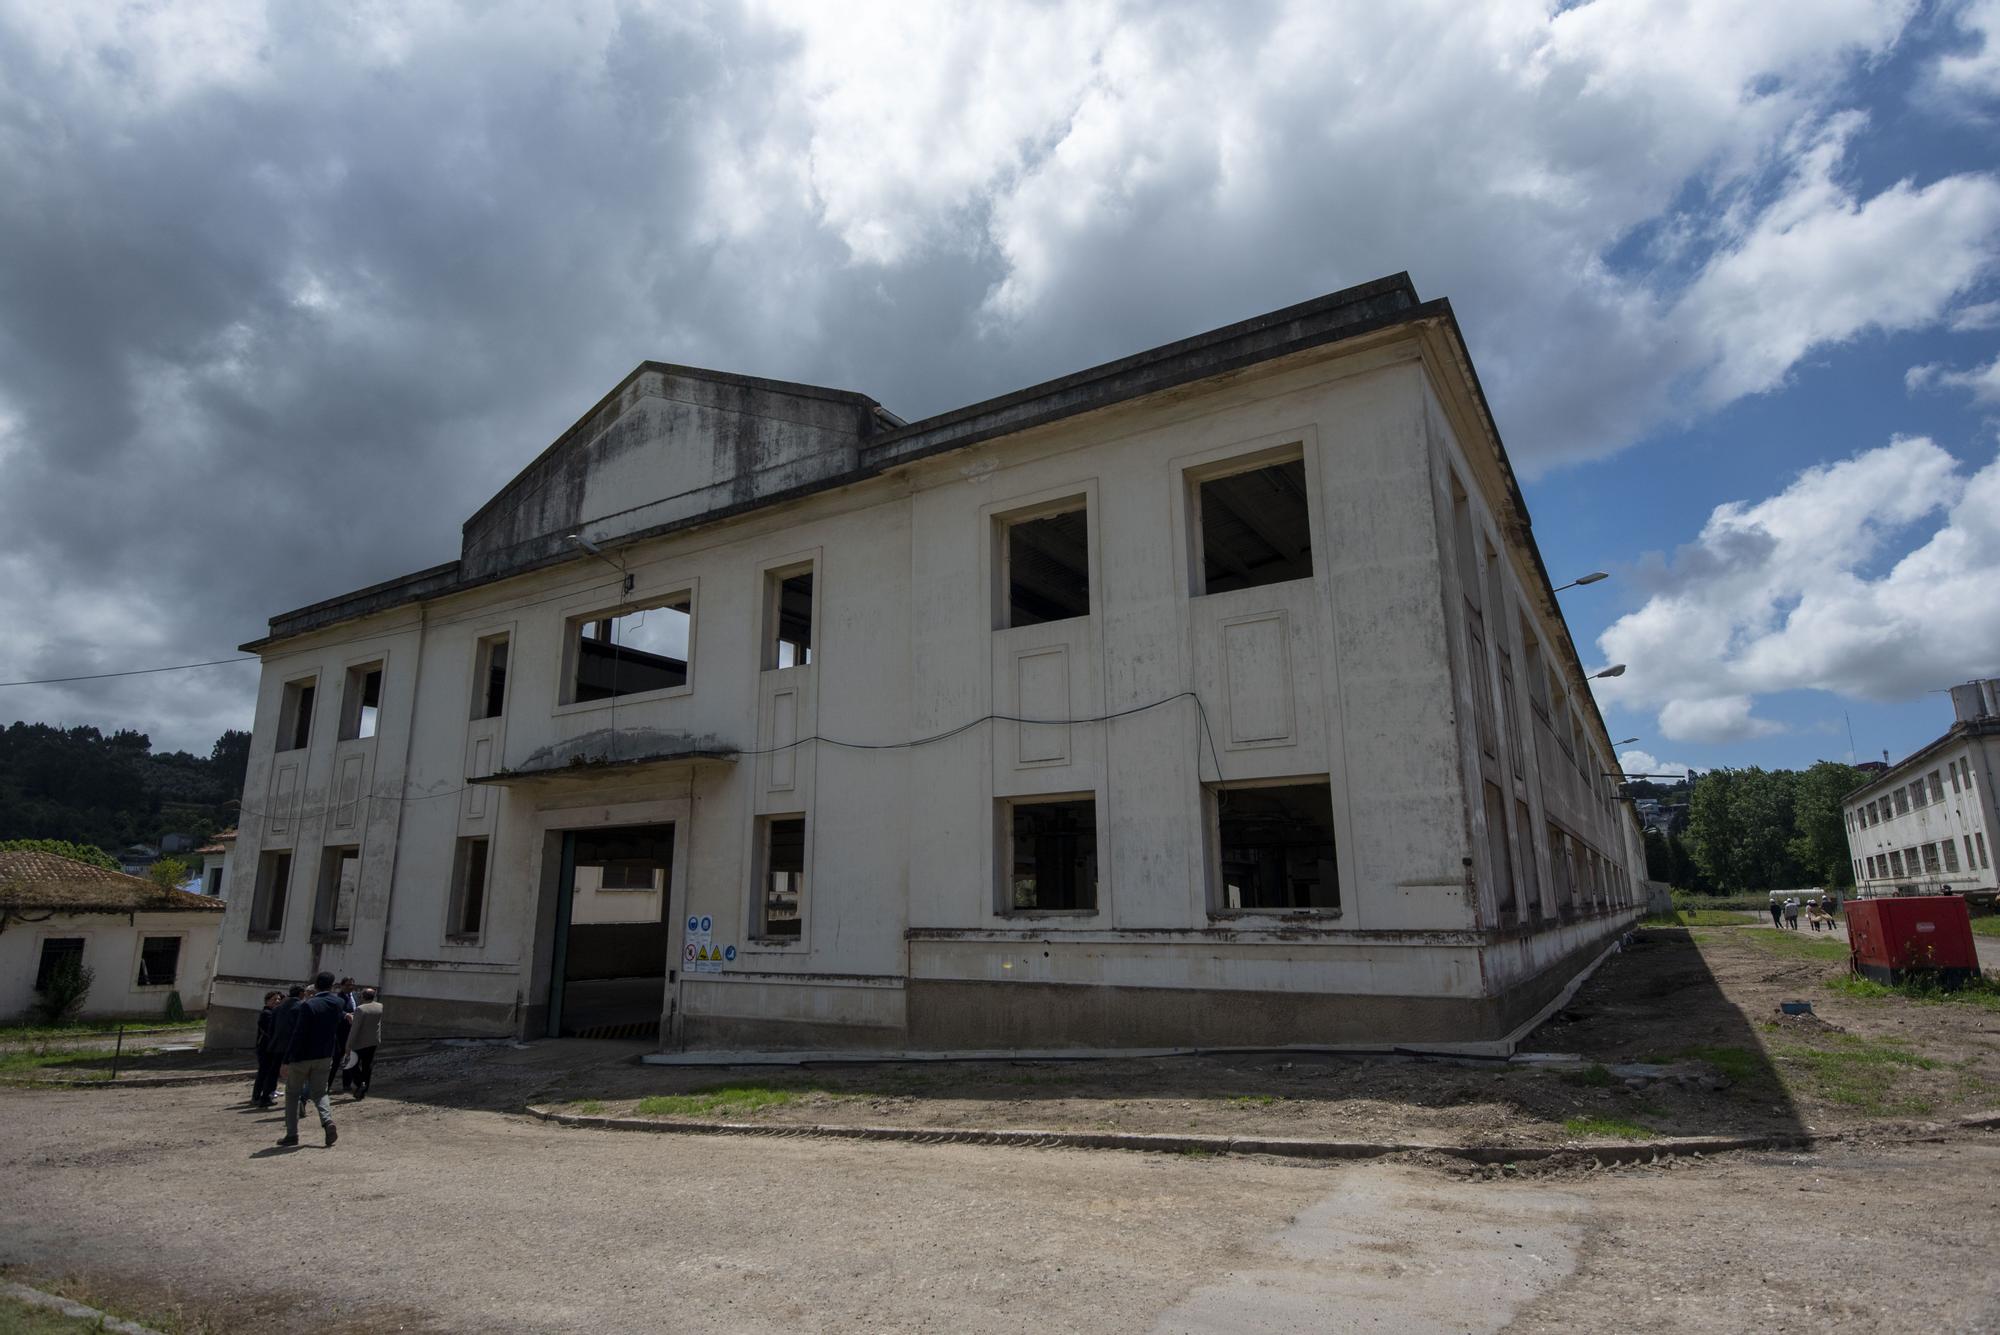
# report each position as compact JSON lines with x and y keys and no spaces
{"x":588,"y":1107}
{"x":1698,"y":918}
{"x":1862,"y":1073}
{"x":1256,"y":1100}
{"x":1796,"y":945}
{"x":1740,"y":1065}
{"x":720,"y":1099}
{"x":30,"y":1060}
{"x":1595,"y":1076}
{"x":1989,"y":925}
{"x":43,"y":1033}
{"x":1982,"y":991}
{"x":1621,"y":1127}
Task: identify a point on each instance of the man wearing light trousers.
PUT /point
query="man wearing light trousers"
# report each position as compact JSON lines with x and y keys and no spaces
{"x":321,"y":1030}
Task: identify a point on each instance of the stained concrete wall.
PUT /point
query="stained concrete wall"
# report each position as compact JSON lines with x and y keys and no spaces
{"x":1352,"y":676}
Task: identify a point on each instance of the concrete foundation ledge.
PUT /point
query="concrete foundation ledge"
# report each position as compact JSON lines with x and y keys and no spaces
{"x":1606,"y":1152}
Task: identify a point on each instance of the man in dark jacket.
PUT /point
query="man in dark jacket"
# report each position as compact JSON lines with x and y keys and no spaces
{"x":265,"y":1091}
{"x":322,"y":1027}
{"x":283,"y":1023}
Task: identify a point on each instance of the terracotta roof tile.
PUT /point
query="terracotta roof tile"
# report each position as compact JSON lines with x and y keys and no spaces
{"x":37,"y":880}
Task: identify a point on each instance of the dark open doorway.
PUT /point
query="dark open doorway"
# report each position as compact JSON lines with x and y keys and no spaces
{"x":614,"y":911}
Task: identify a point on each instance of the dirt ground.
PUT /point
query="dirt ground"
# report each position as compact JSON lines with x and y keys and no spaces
{"x":436,"y":1214}
{"x":1703,"y":1005}
{"x":443,"y":1209}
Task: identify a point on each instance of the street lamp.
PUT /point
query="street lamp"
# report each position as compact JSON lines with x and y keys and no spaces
{"x":1627,"y":742}
{"x":1591,"y":578}
{"x":1615,"y":670}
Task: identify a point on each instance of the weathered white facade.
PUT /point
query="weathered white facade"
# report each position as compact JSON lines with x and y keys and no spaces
{"x":1213,"y":696}
{"x":1927,"y":824}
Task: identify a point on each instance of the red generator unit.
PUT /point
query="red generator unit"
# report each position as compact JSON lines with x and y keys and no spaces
{"x":1928,"y":936}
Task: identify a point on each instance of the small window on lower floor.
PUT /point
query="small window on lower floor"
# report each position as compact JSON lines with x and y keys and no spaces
{"x":782,"y":884}
{"x":467,"y":914}
{"x":1052,"y":856}
{"x":1277,"y":849}
{"x":159,"y":961}
{"x":59,"y":953}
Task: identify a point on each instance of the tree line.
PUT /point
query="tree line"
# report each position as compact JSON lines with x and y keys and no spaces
{"x":109,"y":791}
{"x":1758,"y":829}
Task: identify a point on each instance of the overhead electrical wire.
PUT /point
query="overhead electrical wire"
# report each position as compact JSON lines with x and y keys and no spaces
{"x":130,"y":672}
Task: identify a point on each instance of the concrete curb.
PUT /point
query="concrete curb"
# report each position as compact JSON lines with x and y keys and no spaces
{"x":192,"y":1078}
{"x":74,"y":1310}
{"x":1613,"y":1152}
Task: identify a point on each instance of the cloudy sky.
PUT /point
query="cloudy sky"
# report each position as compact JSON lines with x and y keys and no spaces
{"x":287,"y":291}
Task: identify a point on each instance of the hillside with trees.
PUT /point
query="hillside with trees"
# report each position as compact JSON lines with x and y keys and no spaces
{"x":110,"y":791}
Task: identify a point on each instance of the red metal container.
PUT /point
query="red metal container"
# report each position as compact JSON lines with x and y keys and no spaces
{"x":1927,"y":935}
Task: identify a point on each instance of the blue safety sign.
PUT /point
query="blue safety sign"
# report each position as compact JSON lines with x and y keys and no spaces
{"x":707,"y":923}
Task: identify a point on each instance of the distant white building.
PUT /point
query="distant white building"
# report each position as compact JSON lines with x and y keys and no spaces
{"x":1213,"y":696}
{"x":215,"y":862}
{"x":1927,"y":824}
{"x":142,"y":942}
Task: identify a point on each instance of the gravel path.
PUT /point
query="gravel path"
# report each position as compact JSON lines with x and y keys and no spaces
{"x":435,"y":1215}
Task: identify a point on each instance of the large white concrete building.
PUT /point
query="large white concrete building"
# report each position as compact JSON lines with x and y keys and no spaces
{"x":1926,"y":825}
{"x":1213,"y":696}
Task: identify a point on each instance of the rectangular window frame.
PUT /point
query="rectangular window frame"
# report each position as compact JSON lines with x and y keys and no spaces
{"x":576,"y":619}
{"x":471,"y":881}
{"x":268,"y":900}
{"x":326,"y":893}
{"x":1004,"y":889}
{"x":361,"y":718}
{"x":45,"y":964}
{"x":140,"y":972}
{"x":1213,"y":800}
{"x":489,"y":698}
{"x":297,"y":703}
{"x":1006,"y":522}
{"x":771,"y":641}
{"x":1251,"y":457}
{"x":761,"y":892}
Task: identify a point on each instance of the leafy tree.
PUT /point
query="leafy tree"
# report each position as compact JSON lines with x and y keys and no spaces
{"x":62,"y":848}
{"x":172,"y":873}
{"x":1819,"y":845}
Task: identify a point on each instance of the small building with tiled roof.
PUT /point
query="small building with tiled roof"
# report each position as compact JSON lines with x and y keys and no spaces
{"x":142,"y":942}
{"x":215,"y":862}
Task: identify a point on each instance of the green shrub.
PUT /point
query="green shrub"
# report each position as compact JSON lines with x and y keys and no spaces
{"x":62,"y":848}
{"x":175,"y":1012}
{"x":68,"y":988}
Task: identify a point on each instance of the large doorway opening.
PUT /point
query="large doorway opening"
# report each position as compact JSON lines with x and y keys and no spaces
{"x":614,"y":914}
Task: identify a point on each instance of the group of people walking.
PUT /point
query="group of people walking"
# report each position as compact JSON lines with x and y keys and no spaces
{"x":1819,"y":912}
{"x":307,"y":1036}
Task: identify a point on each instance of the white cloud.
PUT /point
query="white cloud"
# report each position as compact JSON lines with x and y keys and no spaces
{"x":1645,"y":762}
{"x":1973,"y":71}
{"x":1785,"y":594}
{"x":1982,"y":381}
{"x":1982,"y":315}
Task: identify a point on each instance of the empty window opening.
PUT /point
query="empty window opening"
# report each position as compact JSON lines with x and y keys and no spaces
{"x":1936,"y":782}
{"x":1931,"y":859}
{"x":781,"y":906}
{"x":1531,"y":889}
{"x":1950,"y":852}
{"x":1500,"y":853}
{"x":1980,"y":844}
{"x":295,"y":715}
{"x":267,"y":905}
{"x":489,"y":692}
{"x":467,"y":912}
{"x":1255,"y":528}
{"x":212,"y":881}
{"x":159,"y":961}
{"x":1277,"y":849}
{"x":630,"y":653}
{"x":59,"y":954}
{"x":339,"y":882}
{"x":361,"y":703}
{"x":1052,"y":856}
{"x":1902,"y":801}
{"x":789,"y":633}
{"x":1046,"y":567}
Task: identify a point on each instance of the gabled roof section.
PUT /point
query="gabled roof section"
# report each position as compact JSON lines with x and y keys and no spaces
{"x":675,"y":447}
{"x":36,"y":881}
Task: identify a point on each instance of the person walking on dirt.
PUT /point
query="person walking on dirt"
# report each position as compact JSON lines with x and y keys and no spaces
{"x":1777,"y":914}
{"x":1792,"y":913}
{"x":264,"y":1092}
{"x":322,"y":1026}
{"x":361,"y":1042}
